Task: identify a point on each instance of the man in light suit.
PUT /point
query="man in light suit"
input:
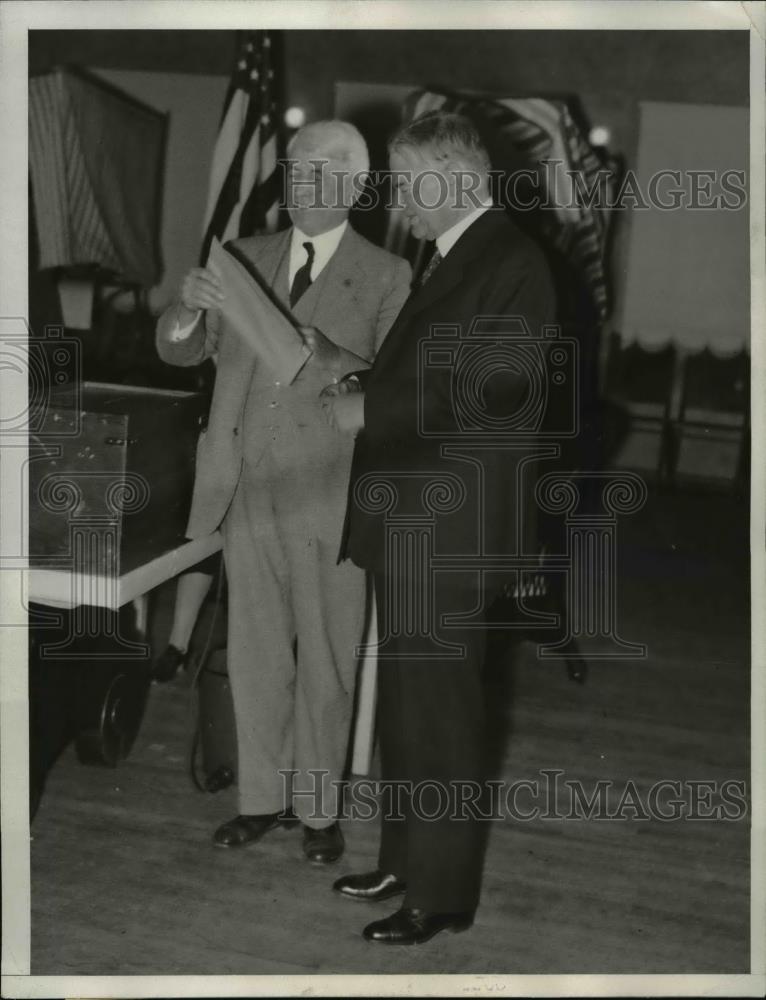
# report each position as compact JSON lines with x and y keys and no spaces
{"x":409,"y":419}
{"x":273,"y":476}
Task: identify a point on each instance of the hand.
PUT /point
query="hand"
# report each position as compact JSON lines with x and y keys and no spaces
{"x":342,"y":388}
{"x":344,"y":412}
{"x":323,"y":351}
{"x":201,"y":288}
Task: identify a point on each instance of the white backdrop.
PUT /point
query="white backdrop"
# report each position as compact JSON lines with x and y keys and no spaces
{"x":688,"y":269}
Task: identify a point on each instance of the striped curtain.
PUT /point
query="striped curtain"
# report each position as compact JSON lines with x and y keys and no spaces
{"x":541,"y":131}
{"x":243,"y":196}
{"x":95,"y":156}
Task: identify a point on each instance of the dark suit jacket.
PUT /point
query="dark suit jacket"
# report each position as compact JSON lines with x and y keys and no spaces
{"x":429,"y":421}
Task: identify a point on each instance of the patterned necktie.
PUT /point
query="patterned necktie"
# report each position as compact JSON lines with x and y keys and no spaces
{"x":436,"y":259}
{"x":302,"y":278}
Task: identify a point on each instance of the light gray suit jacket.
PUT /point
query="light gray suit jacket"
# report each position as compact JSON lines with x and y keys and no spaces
{"x":354,"y":301}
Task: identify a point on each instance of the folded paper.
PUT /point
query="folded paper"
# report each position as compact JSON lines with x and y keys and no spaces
{"x":248,"y":308}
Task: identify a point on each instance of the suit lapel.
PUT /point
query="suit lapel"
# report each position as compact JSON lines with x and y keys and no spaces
{"x":447,"y":276}
{"x":342,"y":273}
{"x":270,"y":259}
{"x":452,"y":269}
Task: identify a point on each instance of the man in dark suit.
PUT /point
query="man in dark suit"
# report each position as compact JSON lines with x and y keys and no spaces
{"x":272,"y":476}
{"x":485,"y":290}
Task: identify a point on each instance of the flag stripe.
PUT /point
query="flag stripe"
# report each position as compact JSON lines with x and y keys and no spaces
{"x":243,"y":193}
{"x":228,"y":137}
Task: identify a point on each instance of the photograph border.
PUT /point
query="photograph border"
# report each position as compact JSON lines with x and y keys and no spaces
{"x":15,"y":20}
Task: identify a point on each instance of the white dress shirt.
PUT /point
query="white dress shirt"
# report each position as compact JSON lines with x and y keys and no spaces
{"x":325,"y":245}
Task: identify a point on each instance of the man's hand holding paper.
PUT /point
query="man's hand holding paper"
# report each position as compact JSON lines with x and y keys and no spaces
{"x":202,"y":288}
{"x":343,"y":408}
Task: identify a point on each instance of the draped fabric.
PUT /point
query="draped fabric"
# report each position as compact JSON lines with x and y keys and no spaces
{"x":546,"y":140}
{"x":95,"y":158}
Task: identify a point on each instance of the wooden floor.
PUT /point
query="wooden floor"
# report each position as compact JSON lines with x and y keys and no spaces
{"x":125,"y":879}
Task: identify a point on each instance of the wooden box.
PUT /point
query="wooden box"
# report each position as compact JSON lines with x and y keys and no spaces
{"x":111,"y":475}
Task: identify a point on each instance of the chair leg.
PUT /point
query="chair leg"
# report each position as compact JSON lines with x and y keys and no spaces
{"x":668,"y":456}
{"x":577,"y":670}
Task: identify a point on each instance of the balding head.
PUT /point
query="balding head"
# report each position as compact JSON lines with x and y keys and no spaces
{"x":333,"y":140}
{"x":441,"y":171}
{"x":328,"y":164}
{"x":445,"y":139}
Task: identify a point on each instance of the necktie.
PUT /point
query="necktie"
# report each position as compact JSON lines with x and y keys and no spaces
{"x":436,"y":259}
{"x":302,"y":278}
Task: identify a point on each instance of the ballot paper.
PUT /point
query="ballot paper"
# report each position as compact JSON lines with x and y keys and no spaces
{"x":249,"y":308}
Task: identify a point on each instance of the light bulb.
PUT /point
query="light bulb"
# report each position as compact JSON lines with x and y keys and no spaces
{"x":599,"y":135}
{"x":295,"y":117}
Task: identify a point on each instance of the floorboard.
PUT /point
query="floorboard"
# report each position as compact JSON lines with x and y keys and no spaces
{"x":125,"y":879}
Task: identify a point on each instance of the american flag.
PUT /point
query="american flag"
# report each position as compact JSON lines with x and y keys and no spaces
{"x":244,"y":183}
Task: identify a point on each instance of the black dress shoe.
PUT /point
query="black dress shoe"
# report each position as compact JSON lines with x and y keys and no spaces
{"x":324,"y":846}
{"x":244,"y":830}
{"x":167,"y":663}
{"x":411,"y":926}
{"x":371,"y":886}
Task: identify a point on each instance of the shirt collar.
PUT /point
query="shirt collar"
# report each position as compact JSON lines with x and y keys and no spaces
{"x":449,"y":238}
{"x":325,"y":244}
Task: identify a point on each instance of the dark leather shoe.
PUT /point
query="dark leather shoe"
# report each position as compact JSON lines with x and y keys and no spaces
{"x":371,"y":886}
{"x":244,"y":830}
{"x":167,"y":663}
{"x":411,"y":926}
{"x":324,"y":846}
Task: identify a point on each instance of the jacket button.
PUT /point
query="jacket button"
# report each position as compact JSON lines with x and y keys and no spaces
{"x":236,"y":431}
